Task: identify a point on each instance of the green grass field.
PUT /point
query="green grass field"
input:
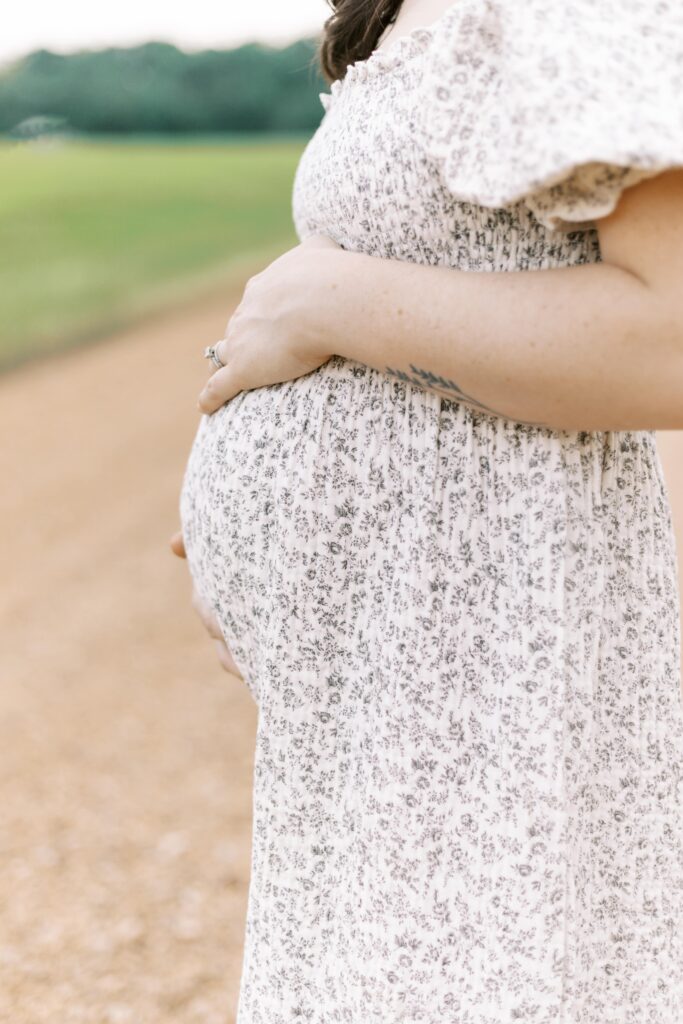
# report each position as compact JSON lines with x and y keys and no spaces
{"x":95,"y":233}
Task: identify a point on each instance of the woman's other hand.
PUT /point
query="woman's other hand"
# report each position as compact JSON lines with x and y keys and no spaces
{"x":275,"y":333}
{"x":207,"y":617}
{"x":178,"y":545}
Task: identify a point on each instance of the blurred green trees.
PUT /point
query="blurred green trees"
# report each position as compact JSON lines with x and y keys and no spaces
{"x":158,"y":88}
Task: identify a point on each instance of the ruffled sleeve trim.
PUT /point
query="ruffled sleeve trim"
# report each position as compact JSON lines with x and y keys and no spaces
{"x":560,"y":104}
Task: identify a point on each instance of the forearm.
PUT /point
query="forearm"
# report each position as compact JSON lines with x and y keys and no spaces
{"x":589,"y":347}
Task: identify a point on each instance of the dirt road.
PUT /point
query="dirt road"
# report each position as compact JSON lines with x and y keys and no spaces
{"x":126,"y":752}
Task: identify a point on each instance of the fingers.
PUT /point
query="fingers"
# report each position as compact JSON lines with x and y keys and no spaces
{"x":218,"y":349}
{"x":226,"y":660}
{"x":210,"y":623}
{"x":209,"y":620}
{"x":219,"y":389}
{"x":178,"y":545}
{"x":321,"y":242}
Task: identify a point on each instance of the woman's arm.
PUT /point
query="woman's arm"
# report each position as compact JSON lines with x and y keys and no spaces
{"x":592,"y":347}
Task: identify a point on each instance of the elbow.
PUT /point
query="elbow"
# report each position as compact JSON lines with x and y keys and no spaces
{"x":660,"y":363}
{"x":642,"y":376}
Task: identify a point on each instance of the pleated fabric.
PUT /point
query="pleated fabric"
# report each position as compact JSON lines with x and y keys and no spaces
{"x":461,"y":631}
{"x":462,"y":635}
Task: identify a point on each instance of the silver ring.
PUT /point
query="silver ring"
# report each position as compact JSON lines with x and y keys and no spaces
{"x":211,"y":353}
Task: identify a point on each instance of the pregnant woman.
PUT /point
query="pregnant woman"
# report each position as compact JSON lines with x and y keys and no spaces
{"x":425,"y":509}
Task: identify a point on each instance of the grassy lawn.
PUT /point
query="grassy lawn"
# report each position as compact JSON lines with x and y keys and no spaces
{"x":94,"y":233}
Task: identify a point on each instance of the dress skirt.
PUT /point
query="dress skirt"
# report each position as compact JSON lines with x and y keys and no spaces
{"x":462,"y":635}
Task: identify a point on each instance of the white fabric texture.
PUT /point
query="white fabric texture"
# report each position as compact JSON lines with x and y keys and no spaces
{"x":461,"y":631}
{"x":583,"y":99}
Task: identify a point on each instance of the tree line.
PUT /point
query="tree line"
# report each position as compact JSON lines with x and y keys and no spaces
{"x":157,"y":87}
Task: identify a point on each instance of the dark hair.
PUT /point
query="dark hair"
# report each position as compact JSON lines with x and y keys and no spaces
{"x":352,"y":32}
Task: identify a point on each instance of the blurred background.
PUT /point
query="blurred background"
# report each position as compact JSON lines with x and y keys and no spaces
{"x":145,"y":151}
{"x":147,"y":154}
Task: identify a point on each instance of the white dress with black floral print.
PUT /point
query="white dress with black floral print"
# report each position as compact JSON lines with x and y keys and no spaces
{"x":461,"y":631}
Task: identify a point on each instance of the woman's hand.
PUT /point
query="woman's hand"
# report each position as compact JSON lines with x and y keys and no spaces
{"x":206,"y":615}
{"x":276,"y":333}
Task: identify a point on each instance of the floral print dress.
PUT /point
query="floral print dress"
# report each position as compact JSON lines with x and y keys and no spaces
{"x":461,"y":631}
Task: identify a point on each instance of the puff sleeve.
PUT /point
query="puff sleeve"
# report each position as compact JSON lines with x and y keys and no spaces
{"x":560,"y":103}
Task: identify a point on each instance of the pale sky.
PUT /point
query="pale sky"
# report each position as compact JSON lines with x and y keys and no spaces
{"x":76,"y":24}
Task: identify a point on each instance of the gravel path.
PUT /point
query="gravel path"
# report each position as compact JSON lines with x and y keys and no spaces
{"x":126,"y":752}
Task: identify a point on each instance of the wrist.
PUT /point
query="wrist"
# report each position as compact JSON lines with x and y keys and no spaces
{"x":329,"y":309}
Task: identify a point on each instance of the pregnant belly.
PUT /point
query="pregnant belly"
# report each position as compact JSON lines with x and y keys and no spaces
{"x":320,"y":513}
{"x":289,"y":488}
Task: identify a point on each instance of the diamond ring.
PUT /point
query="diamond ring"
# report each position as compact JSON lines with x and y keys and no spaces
{"x":211,"y":353}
